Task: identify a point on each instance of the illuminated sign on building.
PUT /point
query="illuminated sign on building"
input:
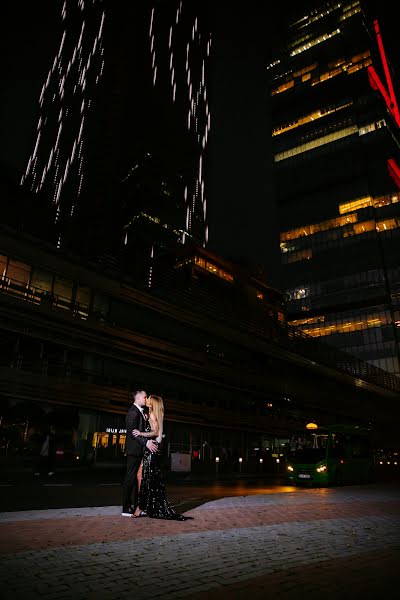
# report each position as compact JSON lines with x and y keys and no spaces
{"x":115,"y":430}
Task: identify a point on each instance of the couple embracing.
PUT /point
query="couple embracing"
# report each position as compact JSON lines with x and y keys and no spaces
{"x":143,"y":489}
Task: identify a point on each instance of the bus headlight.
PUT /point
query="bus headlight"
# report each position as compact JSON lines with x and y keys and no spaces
{"x":290,"y":468}
{"x":322,"y":469}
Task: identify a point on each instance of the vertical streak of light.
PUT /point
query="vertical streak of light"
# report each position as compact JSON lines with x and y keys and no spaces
{"x":151,"y":267}
{"x":190,"y":60}
{"x":67,"y":87}
{"x":151,"y":22}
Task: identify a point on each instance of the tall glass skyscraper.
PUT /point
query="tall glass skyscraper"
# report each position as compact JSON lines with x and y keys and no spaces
{"x":123,"y":127}
{"x":57,"y":168}
{"x":336,"y":153}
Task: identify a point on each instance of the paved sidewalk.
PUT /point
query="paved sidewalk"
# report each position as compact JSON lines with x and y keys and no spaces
{"x":311,"y":543}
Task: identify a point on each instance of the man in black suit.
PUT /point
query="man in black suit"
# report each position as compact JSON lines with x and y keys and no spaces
{"x":135,"y":447}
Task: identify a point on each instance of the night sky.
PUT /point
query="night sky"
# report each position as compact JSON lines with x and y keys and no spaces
{"x":29,"y":41}
{"x":239,"y":172}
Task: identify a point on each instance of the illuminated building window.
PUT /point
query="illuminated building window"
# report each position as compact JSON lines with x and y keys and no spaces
{"x":317,"y":114}
{"x":349,"y":12}
{"x":377,"y":202}
{"x":348,"y":66}
{"x":317,"y":227}
{"x":386,"y":200}
{"x":283,"y":88}
{"x":304,"y":43}
{"x":299,"y":41}
{"x":107,"y":439}
{"x":298,"y":293}
{"x":273,"y":64}
{"x":319,"y":40}
{"x":346,"y":226}
{"x":379,"y":226}
{"x":342,"y":326}
{"x":387,"y":224}
{"x":307,"y":321}
{"x":355,"y":204}
{"x":329,"y":75}
{"x":207,"y":266}
{"x":322,"y":141}
{"x":305,"y":70}
{"x":371,"y":127}
{"x":347,"y":9}
{"x":328,"y":139}
{"x":360,"y":228}
{"x":295,"y":252}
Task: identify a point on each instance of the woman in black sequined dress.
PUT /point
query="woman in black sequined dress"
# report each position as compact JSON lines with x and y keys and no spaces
{"x":153,"y":501}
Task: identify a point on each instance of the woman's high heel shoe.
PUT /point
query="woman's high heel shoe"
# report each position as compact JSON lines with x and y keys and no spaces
{"x":141,"y":514}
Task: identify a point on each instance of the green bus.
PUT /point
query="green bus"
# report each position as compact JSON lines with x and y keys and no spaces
{"x":333,"y":455}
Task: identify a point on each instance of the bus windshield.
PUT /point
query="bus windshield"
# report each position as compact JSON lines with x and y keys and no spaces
{"x":308,"y":448}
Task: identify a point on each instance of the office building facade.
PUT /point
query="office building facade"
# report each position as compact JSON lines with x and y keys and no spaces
{"x":336,"y":143}
{"x":236,"y":380}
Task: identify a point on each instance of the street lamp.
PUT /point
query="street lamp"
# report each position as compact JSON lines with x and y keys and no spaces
{"x":261,"y":463}
{"x":240,"y":464}
{"x":216,"y":464}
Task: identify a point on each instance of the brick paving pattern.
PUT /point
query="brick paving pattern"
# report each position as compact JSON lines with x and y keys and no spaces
{"x":342,"y":543}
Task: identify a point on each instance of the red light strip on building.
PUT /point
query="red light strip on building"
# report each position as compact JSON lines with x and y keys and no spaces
{"x":394,"y":171}
{"x":387,"y":73}
{"x":377,"y":84}
{"x":388,"y":95}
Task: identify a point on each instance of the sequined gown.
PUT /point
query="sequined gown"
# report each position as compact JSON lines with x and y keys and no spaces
{"x":153,"y":496}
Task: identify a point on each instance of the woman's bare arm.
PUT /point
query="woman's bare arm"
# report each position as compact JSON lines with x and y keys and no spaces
{"x":148,"y":434}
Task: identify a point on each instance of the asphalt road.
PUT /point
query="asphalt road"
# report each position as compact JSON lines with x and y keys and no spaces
{"x":102,"y":487}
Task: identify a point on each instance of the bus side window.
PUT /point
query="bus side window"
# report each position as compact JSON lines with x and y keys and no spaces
{"x":337,"y":451}
{"x":338,"y":446}
{"x":360,"y":447}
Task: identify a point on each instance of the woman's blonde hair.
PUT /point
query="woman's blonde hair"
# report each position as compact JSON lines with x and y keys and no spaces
{"x":158,"y":410}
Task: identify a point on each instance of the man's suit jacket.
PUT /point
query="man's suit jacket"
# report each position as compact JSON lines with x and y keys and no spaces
{"x":134,"y":420}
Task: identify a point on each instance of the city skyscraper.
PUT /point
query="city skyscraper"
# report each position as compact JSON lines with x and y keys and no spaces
{"x":164,"y":189}
{"x":123,"y":127}
{"x":57,"y":168}
{"x":336,"y":153}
